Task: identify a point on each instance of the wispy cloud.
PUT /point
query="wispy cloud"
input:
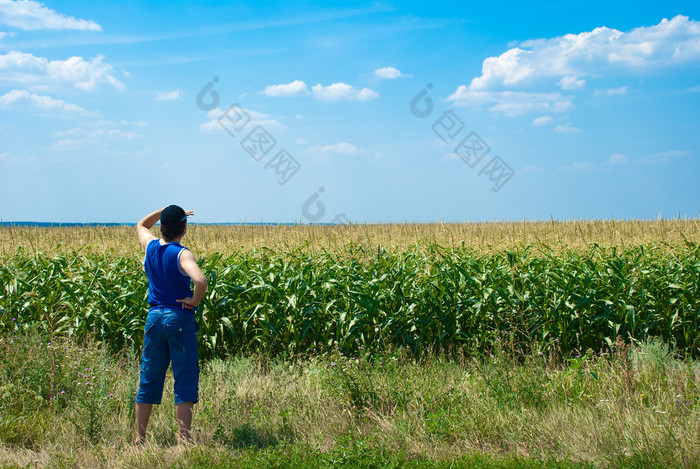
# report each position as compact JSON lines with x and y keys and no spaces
{"x":578,"y":166}
{"x":512,"y":103}
{"x":571,"y":83}
{"x":615,"y":160}
{"x":666,"y":156}
{"x":5,"y":156}
{"x":43,"y":103}
{"x":542,"y":121}
{"x":619,"y":91}
{"x":531,"y":168}
{"x":341,"y":148}
{"x":333,"y":150}
{"x":256,"y":118}
{"x":102,"y":133}
{"x":30,"y":15}
{"x":566,"y":129}
{"x":168,"y":95}
{"x":317,"y":16}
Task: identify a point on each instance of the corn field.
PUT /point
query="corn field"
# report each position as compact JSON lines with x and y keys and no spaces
{"x":426,"y":298}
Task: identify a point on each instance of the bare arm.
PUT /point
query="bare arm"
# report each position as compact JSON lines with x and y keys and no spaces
{"x":188,"y":264}
{"x":143,"y":228}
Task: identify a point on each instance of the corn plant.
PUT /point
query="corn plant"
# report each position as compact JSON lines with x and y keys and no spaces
{"x":423,"y":298}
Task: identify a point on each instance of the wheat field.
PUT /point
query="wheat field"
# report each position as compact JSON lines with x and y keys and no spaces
{"x":486,"y":237}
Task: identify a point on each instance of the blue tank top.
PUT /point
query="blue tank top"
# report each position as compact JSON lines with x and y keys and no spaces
{"x":166,"y":282}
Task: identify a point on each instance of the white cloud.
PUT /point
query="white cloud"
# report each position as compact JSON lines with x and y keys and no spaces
{"x":388,"y":73}
{"x":565,"y":60}
{"x":342,"y":148}
{"x":41,"y":102}
{"x":294,"y":88}
{"x":168,"y":95}
{"x":695,"y":89}
{"x":600,"y":51}
{"x":566,"y":129}
{"x":542,"y":120}
{"x":256,"y":118}
{"x":334,"y":92}
{"x":30,"y":15}
{"x":342,"y":92}
{"x":510,"y":68}
{"x":27,"y":69}
{"x":302,"y":141}
{"x":512,"y":102}
{"x":571,"y":83}
{"x":612,"y":91}
{"x":666,"y":156}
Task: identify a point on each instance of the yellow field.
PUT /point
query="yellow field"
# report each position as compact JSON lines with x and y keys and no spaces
{"x":552,"y":235}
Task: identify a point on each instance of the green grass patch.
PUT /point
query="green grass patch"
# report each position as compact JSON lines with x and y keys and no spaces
{"x":636,"y":407}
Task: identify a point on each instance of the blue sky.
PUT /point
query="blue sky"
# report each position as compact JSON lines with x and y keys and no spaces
{"x":333,"y":111}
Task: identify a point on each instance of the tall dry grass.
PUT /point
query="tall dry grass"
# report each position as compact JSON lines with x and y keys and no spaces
{"x":488,"y":237}
{"x":638,"y":407}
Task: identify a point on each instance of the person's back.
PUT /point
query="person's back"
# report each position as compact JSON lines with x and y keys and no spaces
{"x":170,"y":334}
{"x":166,"y":281}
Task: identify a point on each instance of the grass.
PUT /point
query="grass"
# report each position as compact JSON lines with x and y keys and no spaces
{"x":636,"y":407}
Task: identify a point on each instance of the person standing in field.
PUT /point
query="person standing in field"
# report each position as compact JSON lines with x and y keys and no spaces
{"x":170,"y":335}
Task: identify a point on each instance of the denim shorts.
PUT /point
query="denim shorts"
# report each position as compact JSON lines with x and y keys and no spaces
{"x":170,"y":338}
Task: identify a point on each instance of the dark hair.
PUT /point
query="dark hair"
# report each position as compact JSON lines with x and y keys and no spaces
{"x":170,"y":231}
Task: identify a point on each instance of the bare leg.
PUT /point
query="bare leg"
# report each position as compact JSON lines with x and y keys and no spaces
{"x":143,"y":413}
{"x":183,"y":414}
